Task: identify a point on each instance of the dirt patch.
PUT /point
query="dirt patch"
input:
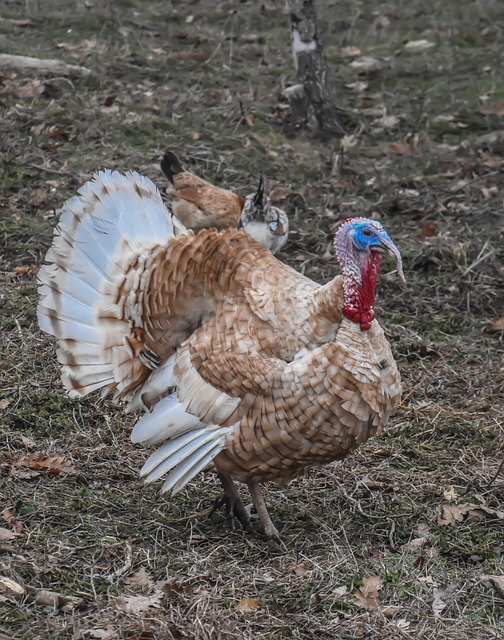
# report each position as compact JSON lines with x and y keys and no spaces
{"x":402,"y":539}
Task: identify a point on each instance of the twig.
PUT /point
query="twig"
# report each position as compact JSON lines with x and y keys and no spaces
{"x":422,"y":380}
{"x":492,"y":480}
{"x":50,"y":66}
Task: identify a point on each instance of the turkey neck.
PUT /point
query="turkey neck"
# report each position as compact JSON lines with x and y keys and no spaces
{"x":360,"y":273}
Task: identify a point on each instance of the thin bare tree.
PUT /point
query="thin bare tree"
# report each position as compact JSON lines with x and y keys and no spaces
{"x":310,"y":98}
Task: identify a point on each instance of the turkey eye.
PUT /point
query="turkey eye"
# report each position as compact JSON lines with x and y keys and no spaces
{"x":367,"y":233}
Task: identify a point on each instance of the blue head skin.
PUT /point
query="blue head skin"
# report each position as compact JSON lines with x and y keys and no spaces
{"x":358,"y":238}
{"x":359,"y":244}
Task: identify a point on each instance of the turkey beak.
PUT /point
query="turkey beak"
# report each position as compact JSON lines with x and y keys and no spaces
{"x":392,"y":250}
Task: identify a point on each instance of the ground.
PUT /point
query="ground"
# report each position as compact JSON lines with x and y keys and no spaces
{"x":397,"y":541}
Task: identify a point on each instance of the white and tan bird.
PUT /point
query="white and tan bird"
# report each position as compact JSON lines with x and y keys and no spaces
{"x":236,"y":358}
{"x":198,"y":204}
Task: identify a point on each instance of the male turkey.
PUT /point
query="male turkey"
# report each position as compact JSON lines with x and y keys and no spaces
{"x":198,"y":204}
{"x":237,"y":358}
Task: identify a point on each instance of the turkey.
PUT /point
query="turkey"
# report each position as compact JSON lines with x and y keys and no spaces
{"x":200,"y":205}
{"x":236,"y":358}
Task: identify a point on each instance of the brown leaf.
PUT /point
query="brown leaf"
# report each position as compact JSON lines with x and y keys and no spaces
{"x":10,"y":518}
{"x":428,"y":230}
{"x":24,"y":89}
{"x":497,"y":584}
{"x":451,"y":513}
{"x":350,"y":52}
{"x":110,"y":633}
{"x":494,"y":108}
{"x":247,"y":604}
{"x":250,"y":38}
{"x":6,"y":584}
{"x":497,"y":324}
{"x":400,"y":149}
{"x":38,"y":198}
{"x":367,"y":595}
{"x":489,"y":160}
{"x":40,"y":461}
{"x":56,"y":600}
{"x":4,"y":403}
{"x":139,"y":604}
{"x":174,"y":587}
{"x":6,"y":534}
{"x":441,"y":597}
{"x":109,"y":101}
{"x":301,"y":568}
{"x":142,"y":577}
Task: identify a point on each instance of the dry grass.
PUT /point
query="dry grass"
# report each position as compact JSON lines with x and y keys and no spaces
{"x":186,"y":84}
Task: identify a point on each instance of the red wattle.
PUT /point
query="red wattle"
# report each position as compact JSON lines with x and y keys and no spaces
{"x":364,"y":317}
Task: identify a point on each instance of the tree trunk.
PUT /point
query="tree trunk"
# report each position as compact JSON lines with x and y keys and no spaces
{"x":311,"y":96}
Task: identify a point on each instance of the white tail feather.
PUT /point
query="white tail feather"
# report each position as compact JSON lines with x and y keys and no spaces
{"x":184,"y":456}
{"x":186,"y":471}
{"x":167,"y":420}
{"x":114,"y":218}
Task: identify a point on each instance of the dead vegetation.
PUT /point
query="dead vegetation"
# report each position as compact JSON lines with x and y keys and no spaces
{"x":402,"y":540}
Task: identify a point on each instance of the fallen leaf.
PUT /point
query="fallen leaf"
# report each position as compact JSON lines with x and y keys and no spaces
{"x":400,"y":149}
{"x":41,"y":462}
{"x":358,"y":87}
{"x":348,"y":141}
{"x":497,"y":324}
{"x":250,"y":38}
{"x":38,"y":198}
{"x":442,"y":595}
{"x":415,"y":46}
{"x":366,"y":63}
{"x":495,"y":108}
{"x":143,"y":635}
{"x":174,"y":587}
{"x":4,"y":403}
{"x":339,"y":592}
{"x":194,"y":135}
{"x":10,"y":518}
{"x":350,"y":52}
{"x":367,"y":594}
{"x":451,"y":513}
{"x":414,"y":545}
{"x":109,"y":101}
{"x":24,"y":89}
{"x":450,"y":494}
{"x":28,"y":442}
{"x":7,"y":534}
{"x":428,"y":230}
{"x":139,"y":604}
{"x":110,"y":633}
{"x":56,"y":600}
{"x":6,"y":584}
{"x":496,"y":583}
{"x":489,"y":160}
{"x":247,"y":604}
{"x":142,"y":577}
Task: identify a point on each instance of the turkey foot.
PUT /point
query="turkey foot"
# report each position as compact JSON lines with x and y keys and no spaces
{"x":269,"y":530}
{"x":234,"y":504}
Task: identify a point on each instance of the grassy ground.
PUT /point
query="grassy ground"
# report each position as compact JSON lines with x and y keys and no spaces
{"x":397,"y":541}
